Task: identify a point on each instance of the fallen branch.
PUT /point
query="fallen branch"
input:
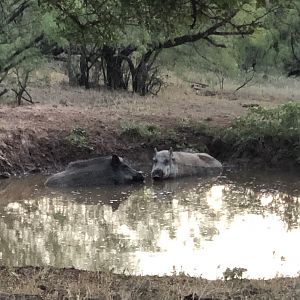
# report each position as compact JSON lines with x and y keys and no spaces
{"x":246,"y":82}
{"x":199,"y":85}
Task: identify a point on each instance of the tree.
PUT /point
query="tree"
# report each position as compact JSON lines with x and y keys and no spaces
{"x":133,"y":33}
{"x":290,"y":34}
{"x":19,"y":34}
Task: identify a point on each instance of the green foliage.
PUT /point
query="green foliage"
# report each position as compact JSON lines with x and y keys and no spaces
{"x":210,"y":64}
{"x":273,"y":133}
{"x":51,"y":29}
{"x":21,"y":30}
{"x":78,"y":137}
{"x":148,"y":24}
{"x":87,"y":22}
{"x":283,"y":121}
{"x":139,"y":130}
{"x":270,"y":46}
{"x":128,"y":35}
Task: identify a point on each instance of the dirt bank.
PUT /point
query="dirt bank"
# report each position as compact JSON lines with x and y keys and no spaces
{"x":49,"y":283}
{"x":43,"y":137}
{"x":69,"y":124}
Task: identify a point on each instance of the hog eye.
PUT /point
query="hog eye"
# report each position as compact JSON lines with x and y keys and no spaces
{"x":166,"y":161}
{"x":155,"y":160}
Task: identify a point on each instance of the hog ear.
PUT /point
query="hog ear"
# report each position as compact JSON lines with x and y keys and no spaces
{"x":171,"y":151}
{"x":155,"y":150}
{"x":115,"y":160}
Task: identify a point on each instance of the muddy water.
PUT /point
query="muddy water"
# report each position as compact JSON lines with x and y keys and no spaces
{"x":196,"y":226}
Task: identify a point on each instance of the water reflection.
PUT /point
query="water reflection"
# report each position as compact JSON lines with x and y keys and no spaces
{"x":200,"y":227}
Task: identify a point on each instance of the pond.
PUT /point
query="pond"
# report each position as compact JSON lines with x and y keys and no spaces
{"x":196,"y":226}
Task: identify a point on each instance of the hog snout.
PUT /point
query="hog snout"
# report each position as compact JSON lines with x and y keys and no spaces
{"x":139,"y":177}
{"x":157,"y":174}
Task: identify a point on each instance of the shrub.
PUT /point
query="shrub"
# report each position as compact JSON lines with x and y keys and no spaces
{"x":281,"y":121}
{"x":79,"y":138}
{"x":267,"y":131}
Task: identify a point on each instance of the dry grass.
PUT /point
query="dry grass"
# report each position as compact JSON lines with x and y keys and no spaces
{"x":176,"y":101}
{"x":74,"y":284}
{"x":62,"y":108}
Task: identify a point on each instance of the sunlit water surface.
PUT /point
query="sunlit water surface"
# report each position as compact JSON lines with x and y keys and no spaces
{"x":196,"y":226}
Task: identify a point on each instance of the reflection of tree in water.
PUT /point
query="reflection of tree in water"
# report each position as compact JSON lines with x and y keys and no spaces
{"x":63,"y":230}
{"x":106,"y":227}
{"x":165,"y":208}
{"x":288,"y":208}
{"x":262,"y":194}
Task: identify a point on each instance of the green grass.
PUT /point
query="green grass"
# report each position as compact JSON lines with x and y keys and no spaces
{"x":139,"y":130}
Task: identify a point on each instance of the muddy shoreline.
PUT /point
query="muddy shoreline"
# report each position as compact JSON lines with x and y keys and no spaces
{"x":24,"y":152}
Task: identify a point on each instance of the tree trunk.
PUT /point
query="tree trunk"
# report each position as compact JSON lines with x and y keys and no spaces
{"x":140,"y":79}
{"x":140,"y":75}
{"x":114,"y":72}
{"x":95,"y":74}
{"x":71,"y":68}
{"x":84,"y":70}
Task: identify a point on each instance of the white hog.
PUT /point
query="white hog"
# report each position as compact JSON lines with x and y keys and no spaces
{"x":172,"y":164}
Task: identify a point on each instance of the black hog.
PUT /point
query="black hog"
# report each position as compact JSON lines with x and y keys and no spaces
{"x":95,"y":172}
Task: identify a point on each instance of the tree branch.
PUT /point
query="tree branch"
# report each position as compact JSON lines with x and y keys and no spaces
{"x":18,"y":11}
{"x":189,"y":38}
{"x":18,"y":52}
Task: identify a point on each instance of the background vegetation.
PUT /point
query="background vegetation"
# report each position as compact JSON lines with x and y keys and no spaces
{"x":123,"y":44}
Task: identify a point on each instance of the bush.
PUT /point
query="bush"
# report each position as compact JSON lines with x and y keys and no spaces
{"x":263,"y":131}
{"x":79,"y":138}
{"x":281,"y":121}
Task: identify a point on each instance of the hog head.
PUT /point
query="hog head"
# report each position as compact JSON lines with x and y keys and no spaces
{"x":123,"y":173}
{"x":164,"y":165}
